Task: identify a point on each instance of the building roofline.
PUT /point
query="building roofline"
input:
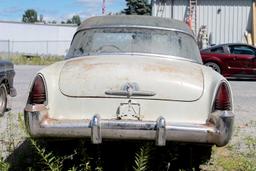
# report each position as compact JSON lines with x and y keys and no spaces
{"x":41,"y":24}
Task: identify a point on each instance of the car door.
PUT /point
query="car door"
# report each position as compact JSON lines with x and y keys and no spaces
{"x":242,"y":56}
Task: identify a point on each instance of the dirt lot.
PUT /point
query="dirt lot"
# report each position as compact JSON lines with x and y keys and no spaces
{"x":244,"y":100}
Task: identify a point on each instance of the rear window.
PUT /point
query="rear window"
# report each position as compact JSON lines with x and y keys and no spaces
{"x":134,"y":40}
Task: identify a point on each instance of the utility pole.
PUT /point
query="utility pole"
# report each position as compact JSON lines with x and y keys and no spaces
{"x":103,"y":7}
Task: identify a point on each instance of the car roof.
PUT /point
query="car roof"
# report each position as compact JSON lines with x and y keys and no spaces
{"x":225,"y":44}
{"x":134,"y":21}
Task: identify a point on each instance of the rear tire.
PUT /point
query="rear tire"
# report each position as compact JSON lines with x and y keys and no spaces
{"x":177,"y":156}
{"x":214,"y":66}
{"x":192,"y":156}
{"x":200,"y":155}
{"x":3,"y":99}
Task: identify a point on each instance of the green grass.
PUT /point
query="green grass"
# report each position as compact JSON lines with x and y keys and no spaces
{"x":230,"y":160}
{"x":238,"y":156}
{"x":33,"y":60}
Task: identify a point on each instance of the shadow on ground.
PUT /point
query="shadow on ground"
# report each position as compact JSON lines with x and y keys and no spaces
{"x":109,"y":156}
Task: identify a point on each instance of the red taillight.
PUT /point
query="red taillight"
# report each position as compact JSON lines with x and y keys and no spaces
{"x":223,"y":98}
{"x":37,"y":94}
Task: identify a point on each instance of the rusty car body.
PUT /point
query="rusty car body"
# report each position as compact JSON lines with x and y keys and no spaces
{"x":131,"y":78}
{"x":7,"y":74}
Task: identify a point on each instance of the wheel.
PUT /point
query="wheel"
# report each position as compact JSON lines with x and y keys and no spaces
{"x":3,"y":99}
{"x":201,"y":155}
{"x":195,"y":155}
{"x":176,"y":157}
{"x":214,"y":66}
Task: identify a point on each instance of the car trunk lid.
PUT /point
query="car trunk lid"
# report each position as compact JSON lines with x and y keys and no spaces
{"x":131,"y":76}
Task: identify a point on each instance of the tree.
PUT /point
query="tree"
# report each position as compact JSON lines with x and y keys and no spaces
{"x":76,"y":20}
{"x":30,"y":16}
{"x":54,"y":22}
{"x":69,"y":21}
{"x":137,"y":7}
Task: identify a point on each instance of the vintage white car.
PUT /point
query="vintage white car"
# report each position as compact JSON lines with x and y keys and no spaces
{"x":132,"y":78}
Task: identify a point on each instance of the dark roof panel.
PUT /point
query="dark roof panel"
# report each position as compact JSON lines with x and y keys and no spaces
{"x":134,"y":20}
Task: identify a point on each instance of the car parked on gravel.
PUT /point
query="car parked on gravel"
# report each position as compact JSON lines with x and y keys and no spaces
{"x":131,"y":78}
{"x":231,"y":60}
{"x":6,"y":84}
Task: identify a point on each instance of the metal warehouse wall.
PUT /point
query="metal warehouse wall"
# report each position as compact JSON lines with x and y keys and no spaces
{"x":36,"y":38}
{"x":226,"y":20}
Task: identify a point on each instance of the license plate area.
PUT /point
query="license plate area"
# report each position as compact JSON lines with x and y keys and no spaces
{"x":129,"y":111}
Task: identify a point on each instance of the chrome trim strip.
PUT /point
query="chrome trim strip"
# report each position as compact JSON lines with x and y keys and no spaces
{"x":137,"y":26}
{"x":129,"y":94}
{"x":171,"y":57}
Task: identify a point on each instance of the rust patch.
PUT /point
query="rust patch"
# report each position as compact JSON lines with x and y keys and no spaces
{"x":159,"y":68}
{"x":35,"y":108}
{"x":44,"y":119}
{"x":208,"y":124}
{"x":88,"y":66}
{"x":47,"y":120}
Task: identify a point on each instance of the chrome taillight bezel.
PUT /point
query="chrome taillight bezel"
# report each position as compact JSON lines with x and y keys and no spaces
{"x":30,"y":100}
{"x":223,"y":86}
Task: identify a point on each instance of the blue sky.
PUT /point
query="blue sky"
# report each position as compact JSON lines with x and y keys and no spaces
{"x":59,"y":10}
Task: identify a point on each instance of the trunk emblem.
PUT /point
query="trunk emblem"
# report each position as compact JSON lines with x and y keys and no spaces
{"x":130,"y":89}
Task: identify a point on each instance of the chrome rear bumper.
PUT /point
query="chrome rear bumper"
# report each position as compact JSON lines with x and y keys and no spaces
{"x":217,"y":130}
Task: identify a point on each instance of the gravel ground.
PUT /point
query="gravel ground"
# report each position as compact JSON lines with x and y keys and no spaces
{"x":244,"y":93}
{"x":9,"y":129}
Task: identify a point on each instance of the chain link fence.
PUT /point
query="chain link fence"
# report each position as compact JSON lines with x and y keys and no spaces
{"x":4,"y":49}
{"x":38,"y":48}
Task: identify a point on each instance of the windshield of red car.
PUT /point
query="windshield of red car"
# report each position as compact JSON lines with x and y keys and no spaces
{"x":134,"y":40}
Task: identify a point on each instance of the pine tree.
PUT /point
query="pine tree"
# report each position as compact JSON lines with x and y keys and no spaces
{"x":137,"y":7}
{"x":30,"y":16}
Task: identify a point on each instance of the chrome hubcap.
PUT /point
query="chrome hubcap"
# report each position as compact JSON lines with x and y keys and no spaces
{"x":2,"y":99}
{"x":214,"y":66}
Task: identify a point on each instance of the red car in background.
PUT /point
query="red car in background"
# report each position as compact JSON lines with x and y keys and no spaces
{"x":234,"y":60}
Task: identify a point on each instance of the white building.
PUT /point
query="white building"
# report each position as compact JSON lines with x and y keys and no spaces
{"x":42,"y":39}
{"x":225,"y":20}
